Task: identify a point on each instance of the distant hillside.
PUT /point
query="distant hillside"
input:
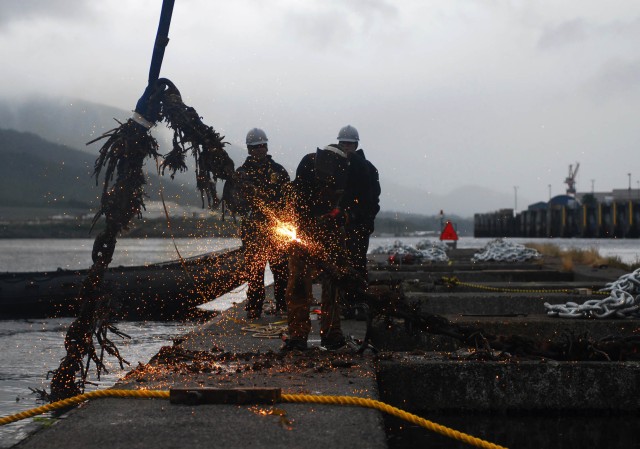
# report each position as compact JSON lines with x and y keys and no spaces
{"x":73,"y":122}
{"x":464,"y":201}
{"x":63,"y":121}
{"x":36,"y":173}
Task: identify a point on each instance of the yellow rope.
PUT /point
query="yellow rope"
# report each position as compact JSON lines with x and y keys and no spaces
{"x":298,"y":398}
{"x":381,"y":406}
{"x":453,"y":281}
{"x":84,"y":397}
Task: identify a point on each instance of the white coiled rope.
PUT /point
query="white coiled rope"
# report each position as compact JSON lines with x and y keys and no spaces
{"x":500,"y":250}
{"x":623,"y":301}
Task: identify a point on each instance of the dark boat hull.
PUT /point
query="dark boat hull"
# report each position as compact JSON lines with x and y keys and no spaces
{"x":163,"y":291}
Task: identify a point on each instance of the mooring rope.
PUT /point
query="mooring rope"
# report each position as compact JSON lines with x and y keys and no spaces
{"x":290,"y":398}
{"x":454,"y":281}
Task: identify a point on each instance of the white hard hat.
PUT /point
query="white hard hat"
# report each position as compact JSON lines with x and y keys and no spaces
{"x":348,"y":134}
{"x":256,"y":136}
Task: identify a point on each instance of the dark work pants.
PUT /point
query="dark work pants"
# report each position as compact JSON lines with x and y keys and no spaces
{"x":357,"y":246}
{"x":302,"y":270}
{"x":258,"y":251}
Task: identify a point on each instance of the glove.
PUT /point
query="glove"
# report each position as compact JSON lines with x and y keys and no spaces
{"x":336,"y":215}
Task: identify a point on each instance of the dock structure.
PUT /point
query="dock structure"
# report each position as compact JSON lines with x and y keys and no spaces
{"x":613,"y":219}
{"x":505,"y":398}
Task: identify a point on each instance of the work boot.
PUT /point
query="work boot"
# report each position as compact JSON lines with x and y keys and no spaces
{"x":277,"y":311}
{"x":348,"y":313}
{"x":360,"y":312}
{"x":281,"y":311}
{"x":333,"y":343}
{"x":294,"y":344}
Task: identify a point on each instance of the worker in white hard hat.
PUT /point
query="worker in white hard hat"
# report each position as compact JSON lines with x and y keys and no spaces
{"x":260,"y":184}
{"x":326,"y":194}
{"x":361,"y":226}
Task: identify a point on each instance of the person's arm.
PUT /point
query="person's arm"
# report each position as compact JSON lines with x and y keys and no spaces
{"x":374,"y":179}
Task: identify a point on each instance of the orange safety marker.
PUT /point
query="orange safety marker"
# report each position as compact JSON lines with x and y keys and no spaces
{"x":448,"y":233}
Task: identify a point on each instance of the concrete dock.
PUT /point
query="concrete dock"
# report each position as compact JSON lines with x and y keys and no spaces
{"x":222,"y":355}
{"x":433,"y":376}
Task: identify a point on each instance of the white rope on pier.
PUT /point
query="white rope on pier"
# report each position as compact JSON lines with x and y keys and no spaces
{"x":500,"y":250}
{"x":623,"y":301}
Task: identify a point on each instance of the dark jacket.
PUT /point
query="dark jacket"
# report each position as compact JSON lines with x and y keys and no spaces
{"x":374,"y":191}
{"x":314,"y":198}
{"x":260,"y":186}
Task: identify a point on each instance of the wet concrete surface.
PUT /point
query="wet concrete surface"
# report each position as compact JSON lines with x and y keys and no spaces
{"x":415,"y":371}
{"x":223,"y":355}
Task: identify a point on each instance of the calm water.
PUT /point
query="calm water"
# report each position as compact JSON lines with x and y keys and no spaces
{"x":30,"y":348}
{"x":50,"y":254}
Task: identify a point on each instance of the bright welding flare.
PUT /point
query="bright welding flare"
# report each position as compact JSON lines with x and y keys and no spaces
{"x":288,"y":231}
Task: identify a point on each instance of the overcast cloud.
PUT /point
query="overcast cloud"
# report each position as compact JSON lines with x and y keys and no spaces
{"x":445,"y":93}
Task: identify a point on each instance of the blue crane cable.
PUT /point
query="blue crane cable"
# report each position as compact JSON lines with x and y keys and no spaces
{"x":162,"y":39}
{"x":145,"y":107}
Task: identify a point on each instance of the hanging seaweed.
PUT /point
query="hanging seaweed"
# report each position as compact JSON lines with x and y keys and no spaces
{"x":190,"y":134}
{"x":122,"y":158}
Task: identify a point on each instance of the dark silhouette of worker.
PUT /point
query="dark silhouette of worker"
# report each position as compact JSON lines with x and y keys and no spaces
{"x":323,"y":197}
{"x":260,"y":184}
{"x":361,"y":225}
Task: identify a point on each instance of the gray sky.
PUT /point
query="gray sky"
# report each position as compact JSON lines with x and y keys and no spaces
{"x":445,"y":93}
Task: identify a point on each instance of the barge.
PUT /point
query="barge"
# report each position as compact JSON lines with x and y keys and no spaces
{"x":159,"y":291}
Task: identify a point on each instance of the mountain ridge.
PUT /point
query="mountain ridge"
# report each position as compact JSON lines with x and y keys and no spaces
{"x":74,"y":122}
{"x":38,"y":173}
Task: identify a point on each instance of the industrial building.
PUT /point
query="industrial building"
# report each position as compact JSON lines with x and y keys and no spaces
{"x":614,"y":214}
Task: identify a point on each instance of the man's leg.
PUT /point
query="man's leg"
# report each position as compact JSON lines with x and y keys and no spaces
{"x":255,"y":265}
{"x":280,"y":270}
{"x":298,"y":298}
{"x":357,"y":248}
{"x":330,"y":330}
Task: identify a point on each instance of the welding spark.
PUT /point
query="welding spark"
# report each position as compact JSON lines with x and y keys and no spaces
{"x":288,"y":231}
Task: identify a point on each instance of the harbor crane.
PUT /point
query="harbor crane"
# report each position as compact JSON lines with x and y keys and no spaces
{"x":570,"y":180}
